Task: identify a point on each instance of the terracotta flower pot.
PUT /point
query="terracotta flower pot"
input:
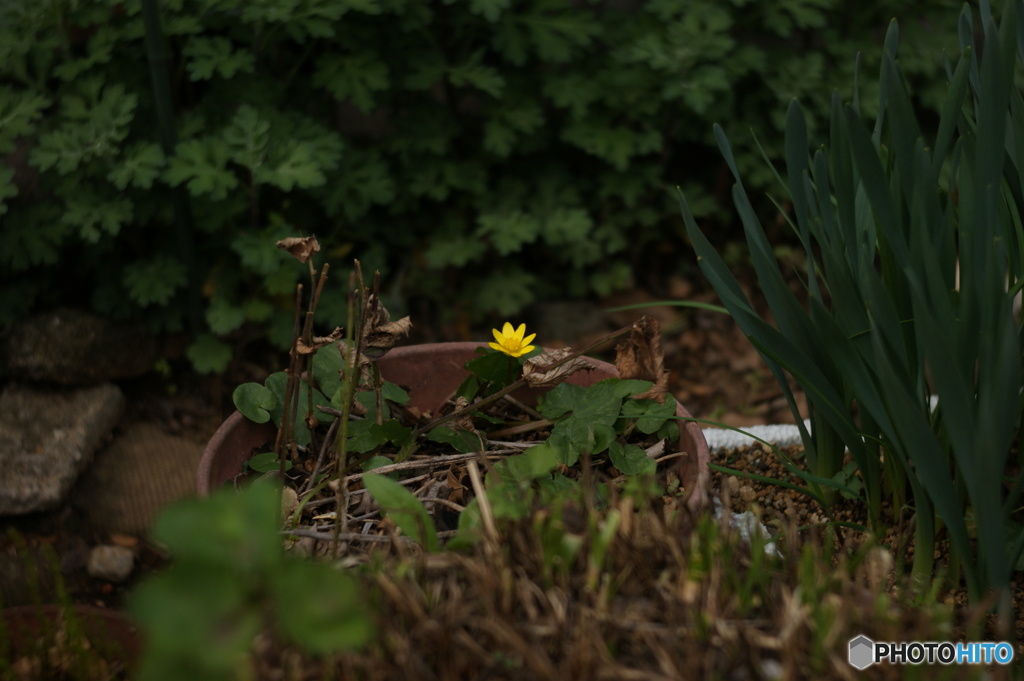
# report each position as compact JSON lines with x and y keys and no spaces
{"x":431,"y":373}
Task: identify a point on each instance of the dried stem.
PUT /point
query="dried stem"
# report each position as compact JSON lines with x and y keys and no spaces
{"x":286,"y":430}
{"x":435,"y":462}
{"x":324,"y":447}
{"x":307,"y":337}
{"x":350,"y":377}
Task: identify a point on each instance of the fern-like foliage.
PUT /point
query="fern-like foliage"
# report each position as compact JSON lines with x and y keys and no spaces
{"x":492,"y":152}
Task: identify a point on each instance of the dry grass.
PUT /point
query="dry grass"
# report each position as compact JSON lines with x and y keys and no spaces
{"x":673,"y":598}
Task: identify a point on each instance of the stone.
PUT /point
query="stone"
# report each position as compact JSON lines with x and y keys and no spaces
{"x":142,"y":471}
{"x":47,"y":438}
{"x":110,"y":562}
{"x":76,"y":348}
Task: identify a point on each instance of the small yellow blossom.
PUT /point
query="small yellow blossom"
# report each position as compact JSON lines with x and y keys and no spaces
{"x":512,"y":342}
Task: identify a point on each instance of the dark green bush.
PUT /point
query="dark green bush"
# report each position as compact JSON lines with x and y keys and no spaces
{"x":485,"y":154}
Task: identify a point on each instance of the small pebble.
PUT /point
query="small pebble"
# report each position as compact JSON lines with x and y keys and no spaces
{"x":111,"y":563}
{"x":771,"y":669}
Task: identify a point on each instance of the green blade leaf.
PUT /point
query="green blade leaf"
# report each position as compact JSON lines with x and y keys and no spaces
{"x":404,"y":508}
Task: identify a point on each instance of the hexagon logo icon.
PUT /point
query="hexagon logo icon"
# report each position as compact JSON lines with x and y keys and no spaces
{"x":862,"y":652}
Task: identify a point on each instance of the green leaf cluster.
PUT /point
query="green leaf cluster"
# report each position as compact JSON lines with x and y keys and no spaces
{"x":587,"y":421}
{"x":230,"y":581}
{"x":492,"y":371}
{"x":265,"y":402}
{"x":519,"y":485}
{"x":504,"y":139}
{"x":590,"y":421}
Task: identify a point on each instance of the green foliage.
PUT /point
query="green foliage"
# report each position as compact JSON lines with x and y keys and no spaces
{"x":590,"y":419}
{"x":231,"y":580}
{"x":915,"y":244}
{"x":208,"y":353}
{"x":630,"y":459}
{"x":154,"y":281}
{"x":366,"y":435}
{"x":454,"y":160}
{"x":404,"y":508}
{"x":262,"y":403}
{"x":462,"y":441}
{"x":585,"y":422}
{"x":492,"y":371}
{"x":266,"y":462}
{"x":255,"y":401}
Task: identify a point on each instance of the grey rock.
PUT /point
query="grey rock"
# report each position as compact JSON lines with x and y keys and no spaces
{"x":71,"y":347}
{"x":111,"y":563}
{"x":47,"y":438}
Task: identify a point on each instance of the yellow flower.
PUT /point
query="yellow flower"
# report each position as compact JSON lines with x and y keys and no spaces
{"x":512,"y":342}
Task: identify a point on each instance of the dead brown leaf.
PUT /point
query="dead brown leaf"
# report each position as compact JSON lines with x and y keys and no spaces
{"x":301,"y":247}
{"x":642,"y":357}
{"x":378,"y":340}
{"x":318,"y":342}
{"x":380,"y":334}
{"x":458,"y":491}
{"x":538,"y":374}
{"x":465,"y":421}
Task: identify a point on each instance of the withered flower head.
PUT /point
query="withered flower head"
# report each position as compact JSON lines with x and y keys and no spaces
{"x":302,"y":247}
{"x":380,"y":333}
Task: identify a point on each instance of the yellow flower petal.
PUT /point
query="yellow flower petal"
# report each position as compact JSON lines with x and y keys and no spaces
{"x":511,"y":340}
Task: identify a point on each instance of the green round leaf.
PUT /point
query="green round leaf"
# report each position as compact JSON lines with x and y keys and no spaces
{"x":267,"y":462}
{"x":535,"y":462}
{"x":630,"y":459}
{"x":255,"y":401}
